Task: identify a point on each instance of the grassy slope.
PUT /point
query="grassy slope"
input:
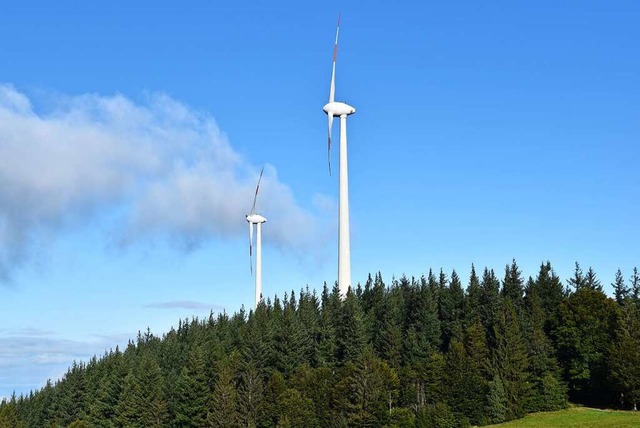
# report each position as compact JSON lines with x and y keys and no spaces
{"x":577,"y":417}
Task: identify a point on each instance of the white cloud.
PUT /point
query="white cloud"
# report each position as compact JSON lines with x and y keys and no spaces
{"x":167,"y":168}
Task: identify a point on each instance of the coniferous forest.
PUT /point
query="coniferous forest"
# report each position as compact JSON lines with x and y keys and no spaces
{"x":415,"y":352}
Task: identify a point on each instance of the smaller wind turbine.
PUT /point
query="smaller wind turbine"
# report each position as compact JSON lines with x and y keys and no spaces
{"x":257,"y":219}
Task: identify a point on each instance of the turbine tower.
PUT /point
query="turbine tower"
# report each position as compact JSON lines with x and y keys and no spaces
{"x":338,"y":109}
{"x":257,"y":219}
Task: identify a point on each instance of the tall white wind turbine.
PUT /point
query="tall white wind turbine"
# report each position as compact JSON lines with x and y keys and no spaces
{"x":338,"y":109}
{"x":257,"y":219}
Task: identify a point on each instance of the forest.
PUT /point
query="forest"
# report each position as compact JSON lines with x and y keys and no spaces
{"x":423,"y":351}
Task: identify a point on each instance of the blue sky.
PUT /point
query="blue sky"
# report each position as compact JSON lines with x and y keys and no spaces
{"x":131,"y":137}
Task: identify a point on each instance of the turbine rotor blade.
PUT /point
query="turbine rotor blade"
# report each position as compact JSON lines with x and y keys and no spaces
{"x":255,"y":197}
{"x":330,"y":116}
{"x":332,"y":89}
{"x":251,"y":247}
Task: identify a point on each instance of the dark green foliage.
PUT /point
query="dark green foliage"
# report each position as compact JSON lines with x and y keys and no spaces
{"x":400,"y":417}
{"x":418,"y":353}
{"x":635,"y":287}
{"x":513,"y":285}
{"x":548,"y":392}
{"x":548,"y":288}
{"x":450,"y":306}
{"x":366,"y":392}
{"x":625,"y":356}
{"x":497,"y":405}
{"x":510,"y":360}
{"x":471,"y":306}
{"x":421,"y":323}
{"x":585,"y":334}
{"x":295,"y":411}
{"x":223,"y":401}
{"x":620,"y":290}
{"x":142,"y":401}
{"x":464,"y":384}
{"x":489,"y":302}
{"x":250,"y":395}
{"x":350,"y":330}
{"x":437,"y":415}
{"x":189,"y":407}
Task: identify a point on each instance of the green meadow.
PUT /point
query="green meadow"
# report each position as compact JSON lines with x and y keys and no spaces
{"x":577,"y":417}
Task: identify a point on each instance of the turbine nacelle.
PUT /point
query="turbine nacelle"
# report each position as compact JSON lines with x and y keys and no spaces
{"x":338,"y":109}
{"x":255,"y":218}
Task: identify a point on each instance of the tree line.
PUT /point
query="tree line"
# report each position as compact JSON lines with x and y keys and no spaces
{"x":418,"y":352}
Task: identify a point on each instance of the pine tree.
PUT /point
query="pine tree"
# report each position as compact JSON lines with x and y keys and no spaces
{"x":620,"y":290}
{"x":350,"y":334}
{"x":584,"y":334}
{"x":250,"y":393}
{"x":548,"y":288}
{"x":591,"y":281}
{"x":387,"y":327}
{"x":9,"y":415}
{"x":223,"y":401}
{"x":578,"y":281}
{"x":450,"y":308}
{"x":479,"y":371}
{"x":102,"y":411}
{"x":273,"y":389}
{"x":465,"y":386}
{"x":142,"y":401}
{"x":191,"y":392}
{"x":624,"y":356}
{"x":497,"y":403}
{"x":489,"y":302}
{"x":635,"y":287}
{"x":309,"y":319}
{"x":472,"y":299}
{"x":317,"y":385}
{"x":421,"y":324}
{"x":513,"y":285}
{"x":510,"y":360}
{"x":327,"y":342}
{"x":290,"y":343}
{"x":295,"y":411}
{"x":366,"y":391}
{"x":548,"y":392}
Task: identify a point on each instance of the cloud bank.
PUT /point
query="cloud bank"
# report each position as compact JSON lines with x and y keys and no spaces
{"x":183,"y":304}
{"x":160,"y":168}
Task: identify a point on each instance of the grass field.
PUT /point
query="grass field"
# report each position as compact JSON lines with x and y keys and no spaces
{"x":577,"y":417}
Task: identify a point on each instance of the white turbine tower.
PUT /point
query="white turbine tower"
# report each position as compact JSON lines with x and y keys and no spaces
{"x":337,"y":109}
{"x":257,"y":219}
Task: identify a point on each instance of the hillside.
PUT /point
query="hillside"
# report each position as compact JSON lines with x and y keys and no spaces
{"x":418,"y":352}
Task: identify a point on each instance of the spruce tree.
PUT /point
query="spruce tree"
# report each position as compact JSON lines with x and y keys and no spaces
{"x":223,"y":400}
{"x":513,"y":285}
{"x":350,"y":334}
{"x":548,"y":288}
{"x":472,"y":299}
{"x":191,"y":392}
{"x":584,"y":334}
{"x":624,"y":356}
{"x":578,"y":281}
{"x":510,"y":360}
{"x":489,"y":303}
{"x":548,"y":391}
{"x":635,"y":287}
{"x":250,"y":394}
{"x":620,"y":290}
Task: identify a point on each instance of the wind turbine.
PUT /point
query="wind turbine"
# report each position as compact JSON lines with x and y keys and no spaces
{"x":338,"y":109}
{"x":257,"y":219}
